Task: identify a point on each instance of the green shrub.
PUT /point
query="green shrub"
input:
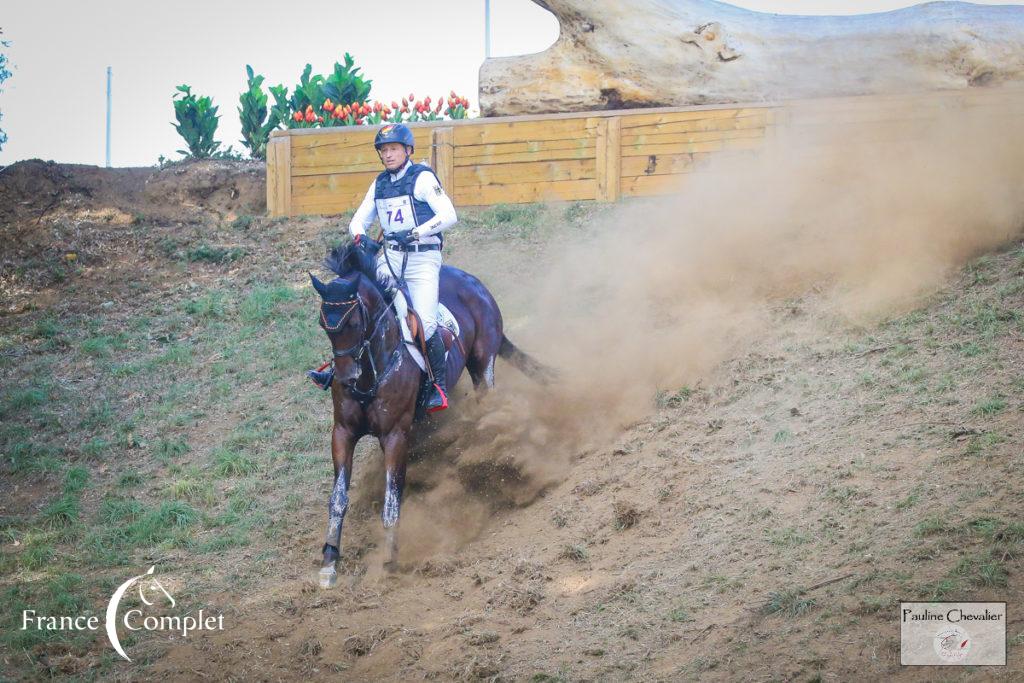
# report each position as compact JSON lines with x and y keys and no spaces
{"x":197,"y":123}
{"x":253,"y":114}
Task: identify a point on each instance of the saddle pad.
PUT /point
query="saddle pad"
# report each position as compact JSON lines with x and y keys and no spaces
{"x":444,"y":317}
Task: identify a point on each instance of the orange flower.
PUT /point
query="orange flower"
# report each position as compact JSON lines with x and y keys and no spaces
{"x":328,"y":105}
{"x":297,"y":116}
{"x":310,"y":116}
{"x":309,"y":108}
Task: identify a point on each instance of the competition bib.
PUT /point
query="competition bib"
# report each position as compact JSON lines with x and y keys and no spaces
{"x":396,"y":213}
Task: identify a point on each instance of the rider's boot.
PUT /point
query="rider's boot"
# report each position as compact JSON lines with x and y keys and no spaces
{"x":438,"y":399}
{"x":321,"y":377}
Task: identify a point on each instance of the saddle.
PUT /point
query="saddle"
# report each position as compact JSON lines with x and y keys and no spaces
{"x":412,"y":332}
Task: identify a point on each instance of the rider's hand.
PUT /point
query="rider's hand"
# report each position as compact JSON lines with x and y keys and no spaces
{"x":403,"y":237}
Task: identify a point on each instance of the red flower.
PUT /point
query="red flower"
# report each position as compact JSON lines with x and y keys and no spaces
{"x":452,"y":94}
{"x":297,"y":116}
{"x":328,"y":105}
{"x":309,"y":108}
{"x":394,"y":105}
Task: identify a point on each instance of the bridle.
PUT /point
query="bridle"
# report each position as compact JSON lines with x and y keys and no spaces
{"x":363,"y":347}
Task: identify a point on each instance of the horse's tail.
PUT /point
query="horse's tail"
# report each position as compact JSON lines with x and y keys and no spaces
{"x":527,"y":364}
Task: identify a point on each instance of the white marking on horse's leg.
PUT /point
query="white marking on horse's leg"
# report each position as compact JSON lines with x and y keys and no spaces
{"x":336,"y":508}
{"x":489,"y":373}
{"x":389,"y":515}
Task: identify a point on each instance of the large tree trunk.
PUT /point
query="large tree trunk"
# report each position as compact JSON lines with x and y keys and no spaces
{"x":643,"y":53}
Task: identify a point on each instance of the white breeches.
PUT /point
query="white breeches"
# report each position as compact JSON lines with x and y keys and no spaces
{"x":422,"y":274}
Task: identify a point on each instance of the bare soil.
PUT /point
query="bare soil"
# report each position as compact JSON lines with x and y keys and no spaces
{"x":762,"y":522}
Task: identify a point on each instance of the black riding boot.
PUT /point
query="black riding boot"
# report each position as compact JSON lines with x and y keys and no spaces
{"x":435,"y":356}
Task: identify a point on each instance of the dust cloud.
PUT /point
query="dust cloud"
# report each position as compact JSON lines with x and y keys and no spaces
{"x":869,"y":215}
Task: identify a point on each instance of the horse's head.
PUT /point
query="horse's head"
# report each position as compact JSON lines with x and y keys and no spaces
{"x":344,"y":317}
{"x":344,"y":314}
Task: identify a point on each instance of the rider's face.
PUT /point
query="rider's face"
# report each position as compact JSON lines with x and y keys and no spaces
{"x":393,"y":154}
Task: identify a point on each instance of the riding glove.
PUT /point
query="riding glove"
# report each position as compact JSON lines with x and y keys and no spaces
{"x":403,"y":237}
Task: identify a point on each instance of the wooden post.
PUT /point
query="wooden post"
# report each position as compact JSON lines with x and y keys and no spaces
{"x":613,"y":158}
{"x":443,"y":157}
{"x":601,"y":160}
{"x":608,"y":161}
{"x":279,"y":175}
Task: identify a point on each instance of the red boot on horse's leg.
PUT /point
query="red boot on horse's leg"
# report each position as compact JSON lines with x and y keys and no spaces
{"x":438,"y":366}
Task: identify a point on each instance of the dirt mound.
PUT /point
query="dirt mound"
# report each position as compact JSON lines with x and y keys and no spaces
{"x":59,"y":219}
{"x":201,"y":189}
{"x":187,"y":191}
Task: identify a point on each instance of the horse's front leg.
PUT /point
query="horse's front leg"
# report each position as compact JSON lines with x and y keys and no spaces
{"x":395,"y":445}
{"x":343,"y":444}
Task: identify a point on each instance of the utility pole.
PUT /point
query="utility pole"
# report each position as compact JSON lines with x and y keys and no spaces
{"x":487,"y":29}
{"x":108,"y":117}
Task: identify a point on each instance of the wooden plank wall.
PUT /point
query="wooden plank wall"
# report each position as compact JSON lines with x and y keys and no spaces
{"x":602,"y":156}
{"x":591,"y":156}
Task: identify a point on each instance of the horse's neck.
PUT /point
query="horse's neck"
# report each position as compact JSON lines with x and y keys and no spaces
{"x":382,"y":316}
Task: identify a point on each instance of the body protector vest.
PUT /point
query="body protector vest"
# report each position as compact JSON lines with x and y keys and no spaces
{"x":397,"y":208}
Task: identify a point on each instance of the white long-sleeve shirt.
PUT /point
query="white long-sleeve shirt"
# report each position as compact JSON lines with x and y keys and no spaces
{"x":428,"y":189}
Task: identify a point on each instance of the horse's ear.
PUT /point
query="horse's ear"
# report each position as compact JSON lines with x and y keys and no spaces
{"x":320,"y":287}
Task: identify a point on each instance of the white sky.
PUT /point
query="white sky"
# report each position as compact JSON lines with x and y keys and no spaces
{"x":54,"y":105}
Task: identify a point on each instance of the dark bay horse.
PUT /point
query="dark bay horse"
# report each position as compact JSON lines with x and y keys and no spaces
{"x":377,"y":382}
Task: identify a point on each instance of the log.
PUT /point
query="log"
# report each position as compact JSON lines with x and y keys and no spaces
{"x":647,"y":53}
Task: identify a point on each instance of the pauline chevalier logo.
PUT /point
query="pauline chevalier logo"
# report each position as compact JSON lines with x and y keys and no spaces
{"x":953,"y":633}
{"x":151,"y":591}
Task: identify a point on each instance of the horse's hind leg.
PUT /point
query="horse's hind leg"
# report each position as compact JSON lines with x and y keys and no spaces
{"x":480,"y":363}
{"x":342,"y":446}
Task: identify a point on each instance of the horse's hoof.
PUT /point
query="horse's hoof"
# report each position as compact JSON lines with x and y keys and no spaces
{"x":328,"y":577}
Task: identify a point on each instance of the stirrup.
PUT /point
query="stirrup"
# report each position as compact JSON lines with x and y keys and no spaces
{"x":444,"y":400}
{"x":322,"y":378}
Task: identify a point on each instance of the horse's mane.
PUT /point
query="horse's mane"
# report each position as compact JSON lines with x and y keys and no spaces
{"x":350,"y":259}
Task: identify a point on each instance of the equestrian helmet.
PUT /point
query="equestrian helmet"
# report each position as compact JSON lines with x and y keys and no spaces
{"x":397,"y":132}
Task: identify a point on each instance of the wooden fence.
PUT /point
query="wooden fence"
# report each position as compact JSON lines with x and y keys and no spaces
{"x":592,"y":156}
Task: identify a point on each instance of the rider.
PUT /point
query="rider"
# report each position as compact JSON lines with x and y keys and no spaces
{"x":413,"y":211}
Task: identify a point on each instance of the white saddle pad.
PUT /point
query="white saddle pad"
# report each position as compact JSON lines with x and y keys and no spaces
{"x":444,"y":317}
